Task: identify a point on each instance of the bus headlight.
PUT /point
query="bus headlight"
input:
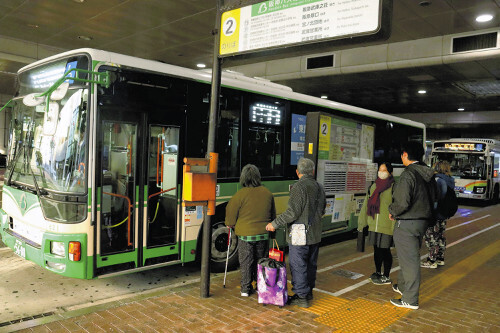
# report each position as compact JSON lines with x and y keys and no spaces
{"x":75,"y":251}
{"x":479,"y":189}
{"x":57,"y":248}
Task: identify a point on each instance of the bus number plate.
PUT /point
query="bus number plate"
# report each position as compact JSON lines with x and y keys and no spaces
{"x":20,"y":249}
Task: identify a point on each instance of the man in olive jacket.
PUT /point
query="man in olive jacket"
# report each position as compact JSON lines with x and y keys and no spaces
{"x":412,"y":208}
{"x":306,"y":206}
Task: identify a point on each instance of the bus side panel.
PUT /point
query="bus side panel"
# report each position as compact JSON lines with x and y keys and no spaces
{"x":192,"y":219}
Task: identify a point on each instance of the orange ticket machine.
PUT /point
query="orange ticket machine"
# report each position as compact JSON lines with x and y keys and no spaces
{"x":200,"y":180}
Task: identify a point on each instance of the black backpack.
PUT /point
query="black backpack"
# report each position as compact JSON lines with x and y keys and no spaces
{"x":448,"y":205}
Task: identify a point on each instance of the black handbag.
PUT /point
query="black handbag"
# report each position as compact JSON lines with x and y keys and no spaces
{"x":360,"y":246}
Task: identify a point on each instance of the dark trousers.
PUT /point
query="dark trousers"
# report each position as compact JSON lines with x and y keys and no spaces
{"x":303,"y":262}
{"x":382,"y":256}
{"x":408,"y":240}
{"x":248,"y":254}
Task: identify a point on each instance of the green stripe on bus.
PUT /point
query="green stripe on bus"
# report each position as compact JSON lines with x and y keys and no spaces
{"x":98,"y":198}
{"x":137,"y":196}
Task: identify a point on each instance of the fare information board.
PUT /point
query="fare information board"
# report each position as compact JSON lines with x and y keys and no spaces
{"x":276,"y":23}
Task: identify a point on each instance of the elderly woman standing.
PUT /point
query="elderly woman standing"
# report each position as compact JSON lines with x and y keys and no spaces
{"x":250,"y":210}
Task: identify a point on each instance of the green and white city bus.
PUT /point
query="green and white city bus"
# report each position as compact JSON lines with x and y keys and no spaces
{"x":94,"y":185}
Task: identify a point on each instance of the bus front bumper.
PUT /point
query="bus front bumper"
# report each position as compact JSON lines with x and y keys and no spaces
{"x":42,"y":254}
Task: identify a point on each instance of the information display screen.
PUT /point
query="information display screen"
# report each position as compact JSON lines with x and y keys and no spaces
{"x":267,"y":114}
{"x":459,"y":146}
{"x":43,"y":77}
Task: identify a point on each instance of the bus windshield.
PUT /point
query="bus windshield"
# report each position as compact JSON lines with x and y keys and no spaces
{"x":470,"y":166}
{"x":49,"y":146}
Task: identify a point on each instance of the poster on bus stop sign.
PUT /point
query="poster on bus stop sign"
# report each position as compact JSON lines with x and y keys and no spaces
{"x":276,"y":23}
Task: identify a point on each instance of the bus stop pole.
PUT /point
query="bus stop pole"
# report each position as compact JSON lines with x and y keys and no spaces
{"x":212,"y":129}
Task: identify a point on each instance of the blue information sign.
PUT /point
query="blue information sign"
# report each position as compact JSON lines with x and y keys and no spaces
{"x":298,"y":138}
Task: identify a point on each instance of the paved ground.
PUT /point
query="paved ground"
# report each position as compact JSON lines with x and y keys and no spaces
{"x":461,"y":296}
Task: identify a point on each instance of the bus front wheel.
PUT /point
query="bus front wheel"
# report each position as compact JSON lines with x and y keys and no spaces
{"x":219,"y":248}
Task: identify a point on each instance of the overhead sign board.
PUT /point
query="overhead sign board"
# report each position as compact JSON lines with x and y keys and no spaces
{"x":278,"y":23}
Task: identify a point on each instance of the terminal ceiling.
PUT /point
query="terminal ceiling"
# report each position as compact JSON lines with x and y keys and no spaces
{"x":180,"y":33}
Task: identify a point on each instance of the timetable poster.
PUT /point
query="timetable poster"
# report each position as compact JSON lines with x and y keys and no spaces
{"x":345,"y":140}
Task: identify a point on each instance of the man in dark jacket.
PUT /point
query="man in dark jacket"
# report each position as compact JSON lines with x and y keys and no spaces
{"x":412,"y":208}
{"x":306,"y":206}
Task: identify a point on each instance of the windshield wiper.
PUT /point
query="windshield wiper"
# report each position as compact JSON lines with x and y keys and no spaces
{"x":37,"y":188}
{"x":14,"y":162}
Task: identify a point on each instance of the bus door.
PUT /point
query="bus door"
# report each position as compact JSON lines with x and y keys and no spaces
{"x":137,"y":176}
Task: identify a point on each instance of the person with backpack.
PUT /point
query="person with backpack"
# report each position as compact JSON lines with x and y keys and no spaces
{"x":447,"y":207}
{"x":375,"y":214}
{"x":413,"y":209}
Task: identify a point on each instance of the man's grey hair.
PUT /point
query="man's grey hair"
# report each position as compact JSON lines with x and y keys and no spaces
{"x":250,"y":176}
{"x":305,"y":166}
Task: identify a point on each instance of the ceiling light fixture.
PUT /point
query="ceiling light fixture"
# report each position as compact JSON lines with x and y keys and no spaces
{"x":34,"y":26}
{"x":461,"y":109}
{"x":422,"y":91}
{"x":424,"y":3}
{"x":484,"y":18}
{"x":201,"y":65}
{"x":85,"y":38}
{"x":324,"y":96}
{"x":79,"y":1}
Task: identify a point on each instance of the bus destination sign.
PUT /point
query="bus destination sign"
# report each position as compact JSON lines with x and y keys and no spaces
{"x":460,"y":146}
{"x":276,"y":23}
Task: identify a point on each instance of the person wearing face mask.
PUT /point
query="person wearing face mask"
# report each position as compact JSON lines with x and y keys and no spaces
{"x":375,"y":214}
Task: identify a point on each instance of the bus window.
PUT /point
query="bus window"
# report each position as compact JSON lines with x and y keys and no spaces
{"x":470,"y":166}
{"x":228,"y":135}
{"x":264,"y":136}
{"x":388,"y":139}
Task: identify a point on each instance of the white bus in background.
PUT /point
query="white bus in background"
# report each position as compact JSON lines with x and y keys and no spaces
{"x":474,"y":165}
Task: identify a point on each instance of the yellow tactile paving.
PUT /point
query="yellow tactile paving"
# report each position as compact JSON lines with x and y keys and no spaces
{"x":451,"y":275}
{"x":323,"y":303}
{"x":362,"y":315}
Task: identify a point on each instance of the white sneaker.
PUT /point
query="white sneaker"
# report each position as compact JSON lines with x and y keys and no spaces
{"x":402,"y":304}
{"x":428,"y":264}
{"x":396,"y":289}
{"x":440,"y":262}
{"x":244,"y":294}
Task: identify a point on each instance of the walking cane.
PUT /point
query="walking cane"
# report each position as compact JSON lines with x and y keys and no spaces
{"x":227,"y":255}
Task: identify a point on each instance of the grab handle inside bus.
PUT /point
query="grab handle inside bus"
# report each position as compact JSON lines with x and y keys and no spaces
{"x":129,"y":212}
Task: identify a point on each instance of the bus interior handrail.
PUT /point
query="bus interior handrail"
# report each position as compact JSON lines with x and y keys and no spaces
{"x":129,"y":213}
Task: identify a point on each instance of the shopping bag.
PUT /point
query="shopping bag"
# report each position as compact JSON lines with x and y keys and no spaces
{"x":272,"y":282}
{"x":275,"y":253}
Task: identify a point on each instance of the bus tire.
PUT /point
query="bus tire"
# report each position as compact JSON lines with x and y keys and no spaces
{"x":219,"y":248}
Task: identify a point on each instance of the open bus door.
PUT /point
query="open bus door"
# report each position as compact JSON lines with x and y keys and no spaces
{"x":138,"y":204}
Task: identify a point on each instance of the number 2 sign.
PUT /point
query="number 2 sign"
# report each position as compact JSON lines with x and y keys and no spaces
{"x":230,"y":32}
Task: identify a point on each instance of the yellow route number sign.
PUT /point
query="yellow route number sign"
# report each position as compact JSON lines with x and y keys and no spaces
{"x":230,"y":32}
